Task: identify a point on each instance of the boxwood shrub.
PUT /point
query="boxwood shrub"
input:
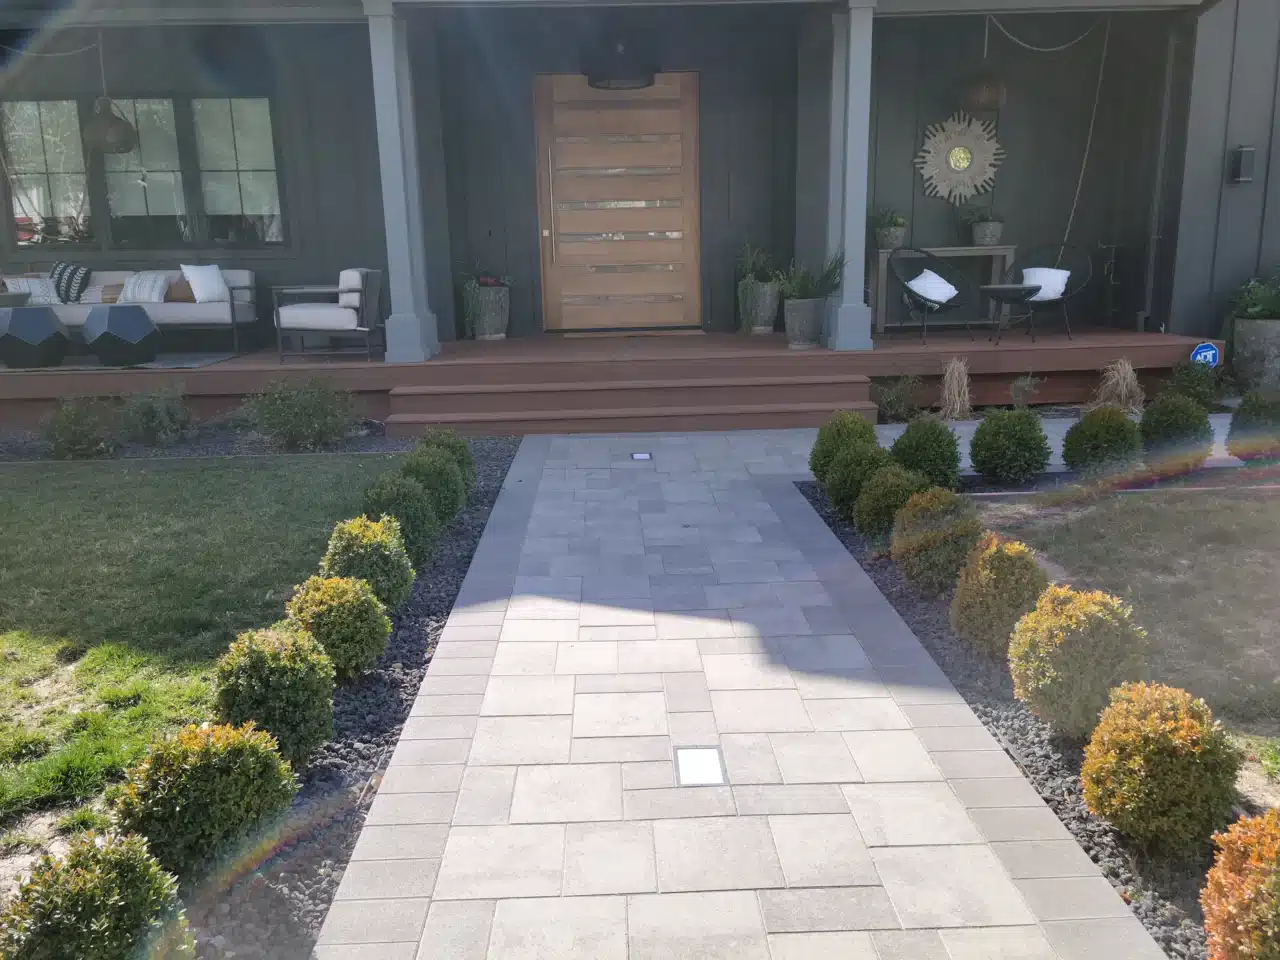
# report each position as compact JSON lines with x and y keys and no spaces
{"x":1160,"y":768}
{"x":1241,"y":896}
{"x":106,"y":899}
{"x":395,"y":495}
{"x":844,"y":427}
{"x":1196,"y":381}
{"x":1255,"y":427}
{"x":372,"y":551}
{"x":1000,"y":582}
{"x":1102,"y":441}
{"x":196,"y":794}
{"x":439,"y":475}
{"x":933,"y":534}
{"x":848,"y":473}
{"x":882,"y":497}
{"x":1067,"y":654}
{"x":1009,"y":447}
{"x":929,"y":447}
{"x":457,"y":448}
{"x":1176,"y":434}
{"x":346,"y":618}
{"x":281,"y":680}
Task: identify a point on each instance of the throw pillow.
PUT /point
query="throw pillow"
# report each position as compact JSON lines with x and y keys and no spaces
{"x":69,"y":279}
{"x":180,"y":292}
{"x":148,"y":286}
{"x":932,"y":287}
{"x":207,"y":283}
{"x":42,"y":289}
{"x":1052,"y":282}
{"x":111,"y":292}
{"x":350,"y":286}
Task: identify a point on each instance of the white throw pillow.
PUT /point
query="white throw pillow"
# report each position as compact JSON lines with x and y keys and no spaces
{"x":350,"y":286}
{"x":932,"y":287}
{"x":207,"y":283}
{"x":42,"y":289}
{"x":1051,"y":282}
{"x":147,"y":286}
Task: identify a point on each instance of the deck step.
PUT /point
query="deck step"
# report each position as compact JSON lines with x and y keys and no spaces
{"x":625,"y":420}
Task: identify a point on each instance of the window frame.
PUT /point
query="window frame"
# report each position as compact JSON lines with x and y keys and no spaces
{"x":189,"y":169}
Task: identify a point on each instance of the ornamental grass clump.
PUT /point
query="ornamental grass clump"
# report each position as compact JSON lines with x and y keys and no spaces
{"x":849,"y":472}
{"x":933,"y":534}
{"x":308,"y":414}
{"x":281,"y":679}
{"x":438,"y":472}
{"x":106,"y":899}
{"x":1176,"y":434}
{"x":1241,"y":895}
{"x":457,"y":448}
{"x":156,"y":419}
{"x":1160,"y":768}
{"x":955,"y":402}
{"x":1000,"y":583}
{"x":1255,"y":427}
{"x":1009,"y":447}
{"x":198,"y":793}
{"x":1101,"y":442}
{"x":80,"y":430}
{"x":372,"y":551}
{"x":395,"y":495}
{"x":843,"y":428}
{"x":1067,"y":654}
{"x":346,"y":618}
{"x":1119,"y":387}
{"x":882,"y":497}
{"x":929,"y":447}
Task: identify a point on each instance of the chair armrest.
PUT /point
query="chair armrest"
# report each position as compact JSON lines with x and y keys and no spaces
{"x":304,"y":290}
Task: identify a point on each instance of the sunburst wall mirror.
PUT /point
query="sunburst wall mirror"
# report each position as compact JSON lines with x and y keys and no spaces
{"x":959,"y":158}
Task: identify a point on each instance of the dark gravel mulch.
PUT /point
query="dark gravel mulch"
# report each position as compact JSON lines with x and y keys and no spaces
{"x":272,"y":904}
{"x":1163,"y":892}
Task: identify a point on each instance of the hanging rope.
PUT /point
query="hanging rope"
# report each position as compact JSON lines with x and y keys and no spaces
{"x":1093,"y":119}
{"x":1030,"y":46}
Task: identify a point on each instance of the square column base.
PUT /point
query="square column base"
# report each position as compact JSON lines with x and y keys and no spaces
{"x":848,"y":327}
{"x":410,"y":338}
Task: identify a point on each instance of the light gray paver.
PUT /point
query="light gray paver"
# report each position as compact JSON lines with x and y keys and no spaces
{"x":617,"y":609}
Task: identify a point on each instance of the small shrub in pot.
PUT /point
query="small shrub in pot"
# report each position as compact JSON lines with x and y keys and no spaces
{"x":395,"y":495}
{"x":844,"y":427}
{"x":1255,"y":427}
{"x":853,"y":466}
{"x":372,"y":551}
{"x":1176,"y":434}
{"x":929,"y":447}
{"x":882,"y":497}
{"x":346,"y":618}
{"x":1241,"y":895}
{"x":1160,"y":768}
{"x":1102,"y":441}
{"x":438,"y":472}
{"x":80,"y":430}
{"x":1009,"y":447}
{"x":302,"y":414}
{"x":1067,"y":654}
{"x":1000,"y":583}
{"x":933,"y":534}
{"x":155,"y":419}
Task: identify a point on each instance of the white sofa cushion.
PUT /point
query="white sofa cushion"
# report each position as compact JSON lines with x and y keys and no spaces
{"x":1052,"y":283}
{"x":350,"y":287}
{"x":318,"y":316}
{"x":147,"y":286}
{"x":171,"y":314}
{"x":932,"y":287}
{"x":207,"y":284}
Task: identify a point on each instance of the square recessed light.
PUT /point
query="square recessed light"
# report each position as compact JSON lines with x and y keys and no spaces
{"x":699,"y":767}
{"x":641,"y":456}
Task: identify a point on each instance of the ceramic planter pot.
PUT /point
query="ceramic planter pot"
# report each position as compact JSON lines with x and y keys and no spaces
{"x":804,"y":322}
{"x":890,"y":238}
{"x":1255,"y":352}
{"x":757,"y":305}
{"x":987,"y":234}
{"x":488,"y":310}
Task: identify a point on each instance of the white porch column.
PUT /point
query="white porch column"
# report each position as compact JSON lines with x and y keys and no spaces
{"x":849,"y":325}
{"x":411,"y":328}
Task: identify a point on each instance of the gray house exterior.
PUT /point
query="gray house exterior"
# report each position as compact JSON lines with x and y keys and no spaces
{"x":404,"y":136}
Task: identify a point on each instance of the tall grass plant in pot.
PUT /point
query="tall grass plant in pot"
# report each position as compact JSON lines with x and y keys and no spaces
{"x":758,"y":291}
{"x":804,"y":300}
{"x":486,"y":305}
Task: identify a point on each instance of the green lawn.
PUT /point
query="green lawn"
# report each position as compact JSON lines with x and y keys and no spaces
{"x":121,"y":583}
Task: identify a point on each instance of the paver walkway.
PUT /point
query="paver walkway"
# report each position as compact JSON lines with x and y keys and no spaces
{"x":618,"y":610}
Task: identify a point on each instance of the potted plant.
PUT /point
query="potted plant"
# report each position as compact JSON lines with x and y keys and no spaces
{"x":486,"y":305}
{"x":1253,"y":334}
{"x":986,"y":225}
{"x":758,"y":291}
{"x":890,"y":228}
{"x":804,"y":296}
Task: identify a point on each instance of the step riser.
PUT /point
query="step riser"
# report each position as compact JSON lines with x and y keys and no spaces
{"x":624,"y":398}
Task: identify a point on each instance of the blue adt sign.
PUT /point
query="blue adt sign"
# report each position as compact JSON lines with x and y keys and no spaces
{"x":1206,"y":353}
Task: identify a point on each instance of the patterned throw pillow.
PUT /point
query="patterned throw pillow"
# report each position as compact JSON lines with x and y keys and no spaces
{"x":69,"y":279}
{"x":42,"y":289}
{"x":148,"y":286}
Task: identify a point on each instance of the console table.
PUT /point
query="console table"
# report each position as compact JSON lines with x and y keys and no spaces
{"x":1002,"y":257}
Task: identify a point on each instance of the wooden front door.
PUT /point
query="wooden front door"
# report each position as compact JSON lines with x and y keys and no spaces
{"x":618,"y":204}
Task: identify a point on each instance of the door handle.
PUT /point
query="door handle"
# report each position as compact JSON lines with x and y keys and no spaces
{"x":551,"y":192}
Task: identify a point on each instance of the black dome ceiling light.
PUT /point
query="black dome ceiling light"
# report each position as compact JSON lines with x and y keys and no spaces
{"x":106,"y":130}
{"x":618,"y":65}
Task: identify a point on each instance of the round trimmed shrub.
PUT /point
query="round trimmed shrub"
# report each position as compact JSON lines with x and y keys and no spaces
{"x":1160,"y":768}
{"x":848,"y":473}
{"x":107,"y":899}
{"x":1000,"y":582}
{"x":1067,"y":654}
{"x":197,"y":793}
{"x":372,"y":551}
{"x":457,"y":448}
{"x":281,"y":679}
{"x":1104,"y":440}
{"x":929,"y":447}
{"x":1009,"y":447}
{"x":882,"y":497}
{"x":1241,"y":896}
{"x":843,"y":428}
{"x":1176,"y":435}
{"x":395,"y":495}
{"x":1255,"y":427}
{"x":1196,"y":381}
{"x":933,"y":534}
{"x":439,"y":475}
{"x":345,"y":618}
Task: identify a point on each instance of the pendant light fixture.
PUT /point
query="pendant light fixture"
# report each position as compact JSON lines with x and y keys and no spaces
{"x":617,"y":66}
{"x":107,"y":131}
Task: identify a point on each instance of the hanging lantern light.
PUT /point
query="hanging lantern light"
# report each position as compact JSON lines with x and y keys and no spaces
{"x":985,"y":92}
{"x":107,"y":131}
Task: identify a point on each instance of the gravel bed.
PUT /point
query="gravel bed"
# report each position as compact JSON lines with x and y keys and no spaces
{"x":273,"y":902}
{"x":1162,"y":892}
